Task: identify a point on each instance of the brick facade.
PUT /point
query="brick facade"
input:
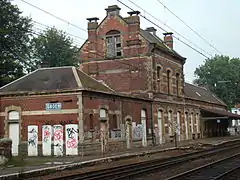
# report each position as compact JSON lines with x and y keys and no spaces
{"x":140,"y":79}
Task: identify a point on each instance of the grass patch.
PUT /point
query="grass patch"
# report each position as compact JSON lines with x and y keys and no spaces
{"x":18,"y":161}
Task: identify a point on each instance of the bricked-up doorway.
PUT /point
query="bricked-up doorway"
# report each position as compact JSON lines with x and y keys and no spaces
{"x":128,"y":133}
{"x":13,"y":125}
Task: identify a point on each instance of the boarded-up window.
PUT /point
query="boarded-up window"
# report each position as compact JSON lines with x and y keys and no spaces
{"x":113,"y":44}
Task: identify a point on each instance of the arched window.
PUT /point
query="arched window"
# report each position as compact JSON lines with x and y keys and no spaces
{"x":103,"y":114}
{"x":113,"y":44}
{"x":169,"y":81}
{"x":158,"y":73}
{"x":13,"y":115}
{"x":177,"y":83}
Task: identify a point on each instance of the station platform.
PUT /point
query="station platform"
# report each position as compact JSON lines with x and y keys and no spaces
{"x":37,"y":165}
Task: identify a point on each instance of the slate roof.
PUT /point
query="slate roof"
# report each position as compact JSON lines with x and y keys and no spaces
{"x":57,"y":78}
{"x":156,"y":40}
{"x":200,"y":93}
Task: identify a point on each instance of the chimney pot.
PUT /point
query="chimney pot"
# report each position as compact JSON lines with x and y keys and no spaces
{"x":168,"y":39}
{"x":133,"y":13}
{"x":95,"y":19}
{"x":113,"y":10}
{"x":92,"y":23}
{"x":151,"y":30}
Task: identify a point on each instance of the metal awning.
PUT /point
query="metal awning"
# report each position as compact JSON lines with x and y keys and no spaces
{"x":217,"y":114}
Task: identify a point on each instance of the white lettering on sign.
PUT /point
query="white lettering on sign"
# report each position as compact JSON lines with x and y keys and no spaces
{"x":53,"y":106}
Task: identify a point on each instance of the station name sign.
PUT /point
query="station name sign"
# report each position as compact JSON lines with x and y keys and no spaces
{"x":53,"y":106}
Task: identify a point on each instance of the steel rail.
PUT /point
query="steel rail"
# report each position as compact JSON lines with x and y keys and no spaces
{"x":131,"y":170}
{"x":213,"y":170}
{"x":221,"y":176}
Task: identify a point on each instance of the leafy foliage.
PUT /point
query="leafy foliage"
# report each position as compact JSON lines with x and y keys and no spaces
{"x":221,"y":74}
{"x":15,"y":31}
{"x":53,"y":48}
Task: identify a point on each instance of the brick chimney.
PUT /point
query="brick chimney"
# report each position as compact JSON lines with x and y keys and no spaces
{"x":113,"y":10}
{"x":92,"y":35}
{"x":133,"y":21}
{"x":92,"y":23}
{"x":152,"y":30}
{"x":168,"y":39}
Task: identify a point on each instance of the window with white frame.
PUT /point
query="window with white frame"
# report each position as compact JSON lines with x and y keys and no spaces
{"x":13,"y":115}
{"x":103,"y":114}
{"x":143,"y":114}
{"x":113,"y":44}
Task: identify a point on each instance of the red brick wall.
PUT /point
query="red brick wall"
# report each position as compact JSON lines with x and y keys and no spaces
{"x":132,"y":73}
{"x":95,"y":46}
{"x":30,"y":103}
{"x":1,"y":126}
{"x":120,"y":76}
{"x":37,"y":103}
{"x":175,"y":66}
{"x":129,"y":107}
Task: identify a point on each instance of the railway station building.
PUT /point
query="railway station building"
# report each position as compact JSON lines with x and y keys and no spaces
{"x":129,"y":91}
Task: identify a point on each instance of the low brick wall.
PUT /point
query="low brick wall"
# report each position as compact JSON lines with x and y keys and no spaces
{"x":5,"y":150}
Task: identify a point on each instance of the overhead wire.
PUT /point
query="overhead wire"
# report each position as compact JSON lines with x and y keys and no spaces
{"x":212,"y":46}
{"x":145,"y":11}
{"x":61,"y":19}
{"x":95,"y":53}
{"x":165,"y":30}
{"x":68,"y":22}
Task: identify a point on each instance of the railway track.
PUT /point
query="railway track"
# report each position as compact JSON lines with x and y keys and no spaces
{"x":215,"y":171}
{"x":136,"y":169}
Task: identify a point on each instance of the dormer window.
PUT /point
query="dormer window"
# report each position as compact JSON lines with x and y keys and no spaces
{"x":113,"y":44}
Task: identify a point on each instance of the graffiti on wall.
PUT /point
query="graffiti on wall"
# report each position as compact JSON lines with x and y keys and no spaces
{"x":138,"y":131}
{"x":32,"y":140}
{"x":71,"y":139}
{"x":116,"y":134}
{"x":46,"y":140}
{"x":58,"y":140}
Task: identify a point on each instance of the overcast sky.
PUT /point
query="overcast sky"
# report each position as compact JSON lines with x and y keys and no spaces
{"x":215,"y":20}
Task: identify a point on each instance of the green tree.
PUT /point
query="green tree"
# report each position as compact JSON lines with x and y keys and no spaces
{"x":221,"y":74}
{"x":54,"y":48}
{"x":15,"y":31}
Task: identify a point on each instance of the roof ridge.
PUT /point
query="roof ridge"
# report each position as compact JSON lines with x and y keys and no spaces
{"x":59,"y":67}
{"x":93,"y":79}
{"x":197,"y":86}
{"x":79,"y":83}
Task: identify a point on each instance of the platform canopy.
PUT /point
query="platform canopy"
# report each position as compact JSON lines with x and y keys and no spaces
{"x":217,"y":114}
